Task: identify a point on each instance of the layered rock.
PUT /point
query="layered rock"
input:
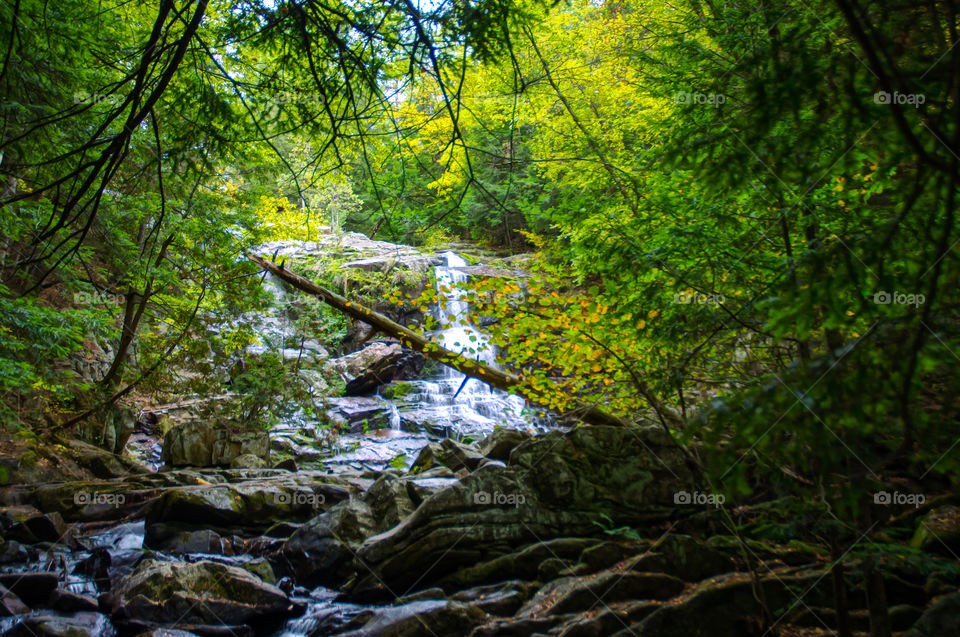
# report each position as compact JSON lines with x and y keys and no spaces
{"x":205,"y":592}
{"x":376,"y":364}
{"x":205,"y":444}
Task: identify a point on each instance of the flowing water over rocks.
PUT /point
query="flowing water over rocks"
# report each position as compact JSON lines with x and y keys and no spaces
{"x":490,"y":523}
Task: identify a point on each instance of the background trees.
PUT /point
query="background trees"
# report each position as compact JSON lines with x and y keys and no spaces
{"x":745,"y":214}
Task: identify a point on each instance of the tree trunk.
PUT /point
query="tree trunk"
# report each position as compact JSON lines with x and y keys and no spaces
{"x":475,"y":369}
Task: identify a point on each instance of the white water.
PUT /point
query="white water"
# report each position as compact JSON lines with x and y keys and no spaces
{"x":453,"y":404}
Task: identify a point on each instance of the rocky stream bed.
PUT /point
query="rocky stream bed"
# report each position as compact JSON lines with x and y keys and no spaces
{"x":441,"y":508}
{"x":502,"y":537}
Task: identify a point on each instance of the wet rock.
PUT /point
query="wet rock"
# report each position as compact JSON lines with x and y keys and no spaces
{"x":69,"y":602}
{"x":176,"y":540}
{"x":426,"y":618}
{"x":358,"y":414}
{"x":10,"y":604}
{"x":26,"y":524}
{"x":248,"y":461}
{"x":499,"y":444}
{"x":252,"y":506}
{"x":376,"y":364}
{"x":33,"y":588}
{"x":389,"y":500}
{"x":416,"y":262}
{"x":12,"y":552}
{"x":52,"y":625}
{"x":202,"y":592}
{"x":322,"y":550}
{"x":448,"y":453}
{"x":205,"y":444}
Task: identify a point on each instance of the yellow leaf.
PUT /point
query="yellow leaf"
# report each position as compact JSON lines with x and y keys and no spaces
{"x":653,"y":314}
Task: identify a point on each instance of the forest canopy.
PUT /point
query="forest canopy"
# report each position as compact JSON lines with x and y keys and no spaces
{"x":743,"y":212}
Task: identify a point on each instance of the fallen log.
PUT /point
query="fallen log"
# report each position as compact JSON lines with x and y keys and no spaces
{"x":407,"y":337}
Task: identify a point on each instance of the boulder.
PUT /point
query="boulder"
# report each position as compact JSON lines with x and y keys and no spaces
{"x":448,"y":453}
{"x":500,"y":600}
{"x":205,"y":444}
{"x":376,"y":364}
{"x":244,"y":507}
{"x":941,"y":619}
{"x":175,"y":540}
{"x":10,"y":604}
{"x":556,"y":485}
{"x":939,"y":532}
{"x":33,"y":588}
{"x":69,"y":602}
{"x":322,"y":550}
{"x":203,"y":592}
{"x":408,"y":261}
{"x":248,"y":461}
{"x":358,"y":414}
{"x":425,"y":618}
{"x":476,"y":519}
{"x":630,"y":473}
{"x":51,"y":625}
{"x":499,"y":444}
{"x":389,"y":500}
{"x":26,"y":524}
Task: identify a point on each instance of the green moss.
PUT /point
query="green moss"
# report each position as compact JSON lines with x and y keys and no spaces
{"x":397,"y":390}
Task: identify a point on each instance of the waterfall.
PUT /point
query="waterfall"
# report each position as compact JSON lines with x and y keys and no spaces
{"x":453,"y":404}
{"x":453,"y":310}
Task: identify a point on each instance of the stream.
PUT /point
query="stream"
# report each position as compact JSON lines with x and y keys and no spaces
{"x":445,"y":405}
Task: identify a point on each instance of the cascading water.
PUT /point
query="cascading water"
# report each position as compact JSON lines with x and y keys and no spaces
{"x":452,"y":404}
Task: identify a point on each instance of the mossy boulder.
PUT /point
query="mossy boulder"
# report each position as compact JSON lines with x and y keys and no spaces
{"x":939,"y":531}
{"x":202,"y":592}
